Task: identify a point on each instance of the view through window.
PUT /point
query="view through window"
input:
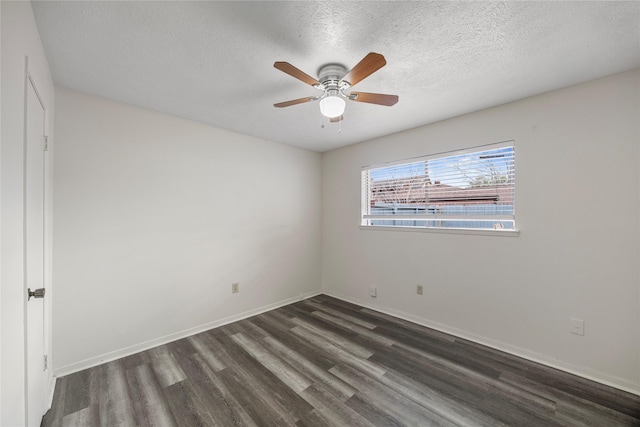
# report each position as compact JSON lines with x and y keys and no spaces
{"x":467,"y":189}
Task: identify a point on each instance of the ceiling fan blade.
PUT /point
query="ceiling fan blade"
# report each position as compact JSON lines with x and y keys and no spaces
{"x":374,"y":98}
{"x":363,"y":69}
{"x":294,"y":102}
{"x":285,"y":67}
{"x":336,"y":119}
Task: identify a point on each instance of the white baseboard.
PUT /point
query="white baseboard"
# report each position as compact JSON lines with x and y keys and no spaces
{"x":591,"y":374}
{"x":127,"y":351}
{"x":585,"y":372}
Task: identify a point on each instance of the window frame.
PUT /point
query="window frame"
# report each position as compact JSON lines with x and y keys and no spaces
{"x":365,"y":216}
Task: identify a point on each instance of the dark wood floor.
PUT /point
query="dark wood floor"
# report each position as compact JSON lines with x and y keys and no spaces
{"x":325,"y":362}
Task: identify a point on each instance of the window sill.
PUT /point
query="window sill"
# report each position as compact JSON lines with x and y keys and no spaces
{"x":473,"y":232}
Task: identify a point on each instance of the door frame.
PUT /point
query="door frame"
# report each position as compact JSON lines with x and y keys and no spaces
{"x":31,"y":79}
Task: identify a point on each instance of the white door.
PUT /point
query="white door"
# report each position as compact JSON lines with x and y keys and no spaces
{"x":34,"y":255}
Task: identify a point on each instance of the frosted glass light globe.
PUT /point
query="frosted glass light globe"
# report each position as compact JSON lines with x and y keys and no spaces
{"x":332,"y":106}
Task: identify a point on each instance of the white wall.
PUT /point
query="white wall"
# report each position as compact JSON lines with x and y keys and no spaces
{"x":19,"y":39}
{"x":156,"y":217}
{"x":577,"y":209}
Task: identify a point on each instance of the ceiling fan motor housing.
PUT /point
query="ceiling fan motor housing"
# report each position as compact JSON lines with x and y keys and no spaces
{"x":330,"y":75}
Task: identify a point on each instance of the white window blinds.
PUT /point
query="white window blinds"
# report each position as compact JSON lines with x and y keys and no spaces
{"x":470,"y":189}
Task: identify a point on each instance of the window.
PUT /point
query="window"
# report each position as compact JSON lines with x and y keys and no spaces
{"x":467,"y":189}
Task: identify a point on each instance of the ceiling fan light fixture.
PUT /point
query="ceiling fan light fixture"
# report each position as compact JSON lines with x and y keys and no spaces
{"x":335,"y":82}
{"x":332,"y":106}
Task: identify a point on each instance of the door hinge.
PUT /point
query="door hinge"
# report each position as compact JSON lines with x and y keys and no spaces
{"x":46,"y":361}
{"x":46,"y":144}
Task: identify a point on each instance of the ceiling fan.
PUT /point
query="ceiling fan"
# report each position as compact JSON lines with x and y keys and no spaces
{"x":334,"y":81}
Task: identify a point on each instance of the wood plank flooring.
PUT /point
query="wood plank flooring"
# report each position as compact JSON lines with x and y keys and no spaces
{"x":325,"y":362}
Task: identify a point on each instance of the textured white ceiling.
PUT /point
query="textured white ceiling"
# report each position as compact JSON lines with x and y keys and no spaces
{"x":213,"y":61}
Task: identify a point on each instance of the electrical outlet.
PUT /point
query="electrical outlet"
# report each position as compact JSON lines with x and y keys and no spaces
{"x":419,"y":289}
{"x":235,"y":288}
{"x":373,"y":291}
{"x":576,"y":326}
